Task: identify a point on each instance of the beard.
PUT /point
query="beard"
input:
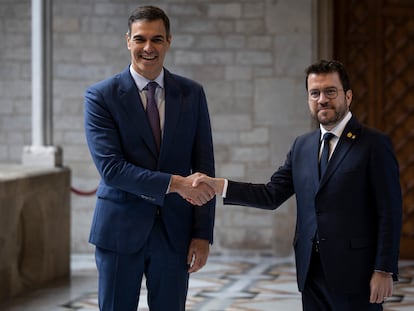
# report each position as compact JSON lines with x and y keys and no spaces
{"x":329,"y":118}
{"x":332,"y":114}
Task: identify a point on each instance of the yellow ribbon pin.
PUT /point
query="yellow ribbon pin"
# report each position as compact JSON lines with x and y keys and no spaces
{"x":350,"y":135}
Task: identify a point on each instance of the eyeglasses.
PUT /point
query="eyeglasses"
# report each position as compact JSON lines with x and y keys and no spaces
{"x":329,"y":92}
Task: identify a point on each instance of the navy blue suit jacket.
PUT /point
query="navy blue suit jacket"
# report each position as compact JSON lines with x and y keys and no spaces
{"x":356,"y":206}
{"x":134,"y":179}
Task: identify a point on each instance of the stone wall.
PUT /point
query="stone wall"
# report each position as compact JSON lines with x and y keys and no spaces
{"x":250,"y":56}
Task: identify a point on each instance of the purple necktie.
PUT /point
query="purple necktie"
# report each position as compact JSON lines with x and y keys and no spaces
{"x":325,"y":153}
{"x":153,"y":114}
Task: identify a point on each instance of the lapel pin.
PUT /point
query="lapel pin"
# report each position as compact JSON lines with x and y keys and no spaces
{"x":350,"y":135}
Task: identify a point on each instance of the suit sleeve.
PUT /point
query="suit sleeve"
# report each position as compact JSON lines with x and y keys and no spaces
{"x":104,"y":142}
{"x":263,"y":196}
{"x":385,"y":183}
{"x":203,"y":161}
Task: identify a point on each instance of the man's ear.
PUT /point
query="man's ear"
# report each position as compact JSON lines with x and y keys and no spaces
{"x":127,"y":38}
{"x":348,"y":97}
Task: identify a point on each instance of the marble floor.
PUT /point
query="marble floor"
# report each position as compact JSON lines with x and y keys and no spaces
{"x":224,"y":284}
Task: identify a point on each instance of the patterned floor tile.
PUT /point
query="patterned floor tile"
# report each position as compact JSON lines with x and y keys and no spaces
{"x":224,"y":284}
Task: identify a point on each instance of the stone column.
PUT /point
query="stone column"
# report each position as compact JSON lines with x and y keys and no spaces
{"x":42,"y":152}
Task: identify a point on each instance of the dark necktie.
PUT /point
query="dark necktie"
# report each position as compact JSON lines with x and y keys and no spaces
{"x":323,"y":162}
{"x":152,"y":113}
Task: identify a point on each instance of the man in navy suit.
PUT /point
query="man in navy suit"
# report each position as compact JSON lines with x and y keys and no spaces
{"x":143,"y":225}
{"x":349,"y":215}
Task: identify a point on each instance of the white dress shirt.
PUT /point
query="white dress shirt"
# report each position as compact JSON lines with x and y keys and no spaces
{"x":141,"y":83}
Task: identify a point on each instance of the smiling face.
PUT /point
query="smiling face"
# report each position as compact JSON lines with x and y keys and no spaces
{"x":328,"y":111}
{"x":148,"y":44}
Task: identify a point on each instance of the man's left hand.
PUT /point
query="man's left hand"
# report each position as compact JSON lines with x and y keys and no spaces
{"x":381,"y":286}
{"x":197,"y":254}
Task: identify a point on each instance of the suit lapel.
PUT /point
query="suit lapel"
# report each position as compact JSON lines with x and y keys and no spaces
{"x":313,"y":154}
{"x":173,"y":106}
{"x":346,"y":141}
{"x":131,"y":102}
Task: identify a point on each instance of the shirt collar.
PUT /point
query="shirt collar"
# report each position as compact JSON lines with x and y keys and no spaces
{"x":339,"y":128}
{"x":142,"y":82}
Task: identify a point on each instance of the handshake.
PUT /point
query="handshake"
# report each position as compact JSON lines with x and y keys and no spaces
{"x":197,"y":188}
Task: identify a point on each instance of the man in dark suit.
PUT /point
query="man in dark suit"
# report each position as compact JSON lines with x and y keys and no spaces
{"x":142,"y":223}
{"x":349,"y":215}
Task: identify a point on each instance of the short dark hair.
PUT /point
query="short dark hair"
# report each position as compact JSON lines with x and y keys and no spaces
{"x":329,"y":66}
{"x":149,"y":13}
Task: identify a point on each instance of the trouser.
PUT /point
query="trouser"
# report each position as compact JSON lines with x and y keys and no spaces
{"x":318,"y":296}
{"x":165,"y":270}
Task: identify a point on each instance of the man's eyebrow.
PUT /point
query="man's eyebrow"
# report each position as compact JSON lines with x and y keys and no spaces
{"x":158,"y":37}
{"x":324,"y":88}
{"x":154,"y":37}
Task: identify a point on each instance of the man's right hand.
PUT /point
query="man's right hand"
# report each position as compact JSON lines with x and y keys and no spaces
{"x":216,"y":183}
{"x":199,"y":195}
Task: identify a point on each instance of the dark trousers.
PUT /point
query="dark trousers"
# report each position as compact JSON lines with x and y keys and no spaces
{"x":317,"y":296}
{"x":166,"y":273}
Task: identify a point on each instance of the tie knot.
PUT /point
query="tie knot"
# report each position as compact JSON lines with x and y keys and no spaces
{"x":328,"y":136}
{"x":151,"y":87}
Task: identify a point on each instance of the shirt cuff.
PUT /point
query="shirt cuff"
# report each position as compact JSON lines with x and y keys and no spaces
{"x":380,"y":271}
{"x":226,"y":184}
{"x":168,"y":188}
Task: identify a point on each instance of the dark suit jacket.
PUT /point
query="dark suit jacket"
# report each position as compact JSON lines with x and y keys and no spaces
{"x":134,"y":179}
{"x":356,"y":206}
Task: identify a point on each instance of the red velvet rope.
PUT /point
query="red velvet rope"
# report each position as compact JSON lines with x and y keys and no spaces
{"x":83,"y":193}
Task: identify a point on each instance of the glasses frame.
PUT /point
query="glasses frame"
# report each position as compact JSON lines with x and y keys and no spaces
{"x":326,"y":91}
